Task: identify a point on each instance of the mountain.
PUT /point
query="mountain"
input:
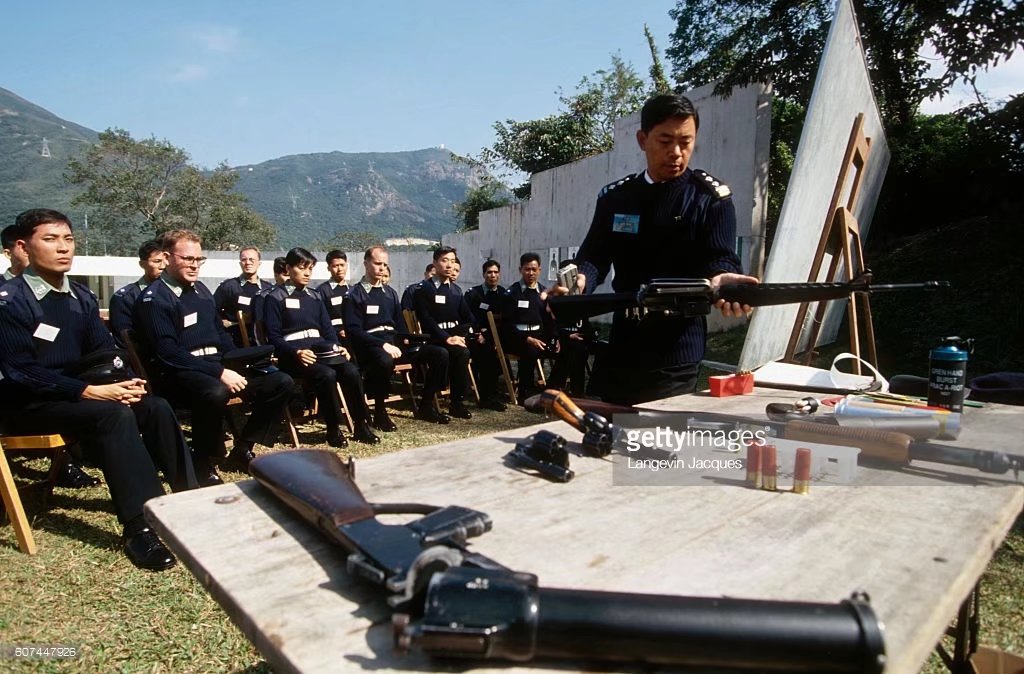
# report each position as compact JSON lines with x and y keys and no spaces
{"x":310,"y":197}
{"x":28,"y":179}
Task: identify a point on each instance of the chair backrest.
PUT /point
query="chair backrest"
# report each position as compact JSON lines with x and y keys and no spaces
{"x":259,"y":331}
{"x":135,"y":356}
{"x":243,"y":328}
{"x":412,"y":324}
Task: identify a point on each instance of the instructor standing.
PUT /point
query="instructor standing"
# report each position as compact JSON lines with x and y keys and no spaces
{"x":669,"y":221}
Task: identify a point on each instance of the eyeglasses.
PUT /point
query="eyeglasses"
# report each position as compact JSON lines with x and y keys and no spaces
{"x":190,"y":260}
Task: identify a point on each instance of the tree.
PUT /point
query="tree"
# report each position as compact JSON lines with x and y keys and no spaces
{"x":585,"y":126}
{"x":491,"y":193}
{"x":139,"y":188}
{"x":659,"y":83}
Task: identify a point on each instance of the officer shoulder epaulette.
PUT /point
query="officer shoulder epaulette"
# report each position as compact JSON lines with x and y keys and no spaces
{"x":617,"y":184}
{"x":711,"y":184}
{"x":277,"y":291}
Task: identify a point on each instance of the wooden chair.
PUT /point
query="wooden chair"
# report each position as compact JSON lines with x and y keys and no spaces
{"x":504,"y":360}
{"x":243,"y":327}
{"x":131,"y":345}
{"x":412,"y":323}
{"x":54,"y":444}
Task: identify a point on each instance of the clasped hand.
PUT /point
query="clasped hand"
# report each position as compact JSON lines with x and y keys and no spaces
{"x":127,"y":392}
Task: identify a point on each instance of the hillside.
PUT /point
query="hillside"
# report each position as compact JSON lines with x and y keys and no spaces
{"x":27,"y":178}
{"x":310,"y":197}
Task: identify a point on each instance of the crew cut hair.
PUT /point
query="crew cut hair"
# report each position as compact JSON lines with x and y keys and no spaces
{"x":667,"y":106}
{"x":297,"y":256}
{"x":527,"y":258}
{"x":27,"y":221}
{"x":148,"y":248}
{"x":489,"y":264}
{"x":336,"y":255}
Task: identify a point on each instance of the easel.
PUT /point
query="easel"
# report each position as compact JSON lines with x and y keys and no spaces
{"x":841,"y":239}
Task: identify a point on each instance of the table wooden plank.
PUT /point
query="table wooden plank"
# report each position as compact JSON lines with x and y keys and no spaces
{"x":916,"y":550}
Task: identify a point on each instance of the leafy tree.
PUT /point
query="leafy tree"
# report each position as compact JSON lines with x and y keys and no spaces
{"x":659,"y":83}
{"x":489,"y":194}
{"x":585,"y":126}
{"x":139,"y":188}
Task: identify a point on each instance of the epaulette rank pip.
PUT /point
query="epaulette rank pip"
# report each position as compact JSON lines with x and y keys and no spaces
{"x":712,"y":184}
{"x":618,"y":183}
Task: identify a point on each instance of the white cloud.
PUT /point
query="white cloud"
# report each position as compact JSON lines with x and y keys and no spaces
{"x":222,"y":39}
{"x":190,"y":72}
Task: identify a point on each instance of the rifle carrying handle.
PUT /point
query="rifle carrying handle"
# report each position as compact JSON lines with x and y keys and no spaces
{"x":874,"y":444}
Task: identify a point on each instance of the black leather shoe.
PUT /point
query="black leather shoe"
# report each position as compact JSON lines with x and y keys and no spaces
{"x":336,"y":439}
{"x":459,"y":411}
{"x":493,"y":404}
{"x":239,"y":459}
{"x":147,"y":552}
{"x":365,"y":434}
{"x":429,"y":414}
{"x":206,"y":474}
{"x":383,"y":422}
{"x":73,"y":477}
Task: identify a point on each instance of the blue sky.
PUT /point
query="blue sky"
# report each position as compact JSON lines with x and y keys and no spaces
{"x":247,"y":81}
{"x":250,"y":81}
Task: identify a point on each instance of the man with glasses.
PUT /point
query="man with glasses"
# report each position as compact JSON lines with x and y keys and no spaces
{"x":237,"y":294}
{"x":178,"y":324}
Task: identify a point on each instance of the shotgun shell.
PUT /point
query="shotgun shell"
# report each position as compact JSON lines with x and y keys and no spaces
{"x":769,"y":467}
{"x":754,"y":464}
{"x":802,"y":471}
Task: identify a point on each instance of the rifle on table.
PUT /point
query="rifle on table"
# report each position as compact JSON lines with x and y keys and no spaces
{"x":454,"y":602}
{"x":696,"y":297}
{"x":600,"y":435}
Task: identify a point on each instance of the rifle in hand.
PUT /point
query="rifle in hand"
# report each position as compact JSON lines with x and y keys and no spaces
{"x":454,"y":602}
{"x":696,"y":297}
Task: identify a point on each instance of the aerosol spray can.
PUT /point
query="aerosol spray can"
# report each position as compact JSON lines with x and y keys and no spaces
{"x":947,"y":373}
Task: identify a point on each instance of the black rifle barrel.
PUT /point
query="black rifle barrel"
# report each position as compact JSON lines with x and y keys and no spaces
{"x":491,"y":614}
{"x":770,"y":294}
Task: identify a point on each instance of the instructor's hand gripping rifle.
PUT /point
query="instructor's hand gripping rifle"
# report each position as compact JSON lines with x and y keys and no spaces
{"x":453,"y":602}
{"x":696,"y":297}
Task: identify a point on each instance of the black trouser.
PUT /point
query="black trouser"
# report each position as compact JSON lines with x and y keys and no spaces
{"x":324,"y":380}
{"x":458,"y":371}
{"x":570,"y":365}
{"x":486,"y":367}
{"x":108,"y":433}
{"x":528,"y":354}
{"x":379,"y":366}
{"x":207,"y":397}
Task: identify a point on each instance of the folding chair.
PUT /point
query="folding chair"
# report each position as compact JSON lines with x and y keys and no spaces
{"x":9,"y":490}
{"x":505,"y":358}
{"x":412,"y":323}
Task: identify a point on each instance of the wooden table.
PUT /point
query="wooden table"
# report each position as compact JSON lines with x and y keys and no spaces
{"x":917,"y":550}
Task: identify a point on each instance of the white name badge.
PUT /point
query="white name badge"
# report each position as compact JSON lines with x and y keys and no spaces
{"x":291,"y":302}
{"x":244,"y":300}
{"x":47,"y":332}
{"x":439,"y":299}
{"x":191,"y":319}
{"x":372,"y":309}
{"x":523,"y":304}
{"x":335,"y":301}
{"x":484,"y":306}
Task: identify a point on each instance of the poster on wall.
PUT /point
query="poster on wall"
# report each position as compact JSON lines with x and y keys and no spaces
{"x":552,"y":264}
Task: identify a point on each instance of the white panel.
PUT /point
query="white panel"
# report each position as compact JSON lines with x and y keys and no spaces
{"x":841,"y":91}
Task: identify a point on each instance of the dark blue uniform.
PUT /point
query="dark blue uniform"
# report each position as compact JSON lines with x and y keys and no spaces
{"x":296,"y":320}
{"x":409,"y":295}
{"x":234,"y":295}
{"x":187,"y":342}
{"x":681,"y":228}
{"x":42,"y":338}
{"x":121,"y":305}
{"x":441,"y":310}
{"x":372,"y":318}
{"x":526,"y":315}
{"x":333,"y":295}
{"x":482,"y":299}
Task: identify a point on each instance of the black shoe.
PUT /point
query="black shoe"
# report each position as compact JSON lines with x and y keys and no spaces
{"x":459,"y":411}
{"x":239,"y":458}
{"x":427,"y":413}
{"x":206,"y":474}
{"x":383,"y":422}
{"x":493,"y":404}
{"x":336,"y":439}
{"x":147,"y":552}
{"x":73,"y":477}
{"x":365,"y":434}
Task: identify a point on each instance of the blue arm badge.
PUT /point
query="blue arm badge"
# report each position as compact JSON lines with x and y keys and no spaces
{"x":626,"y":223}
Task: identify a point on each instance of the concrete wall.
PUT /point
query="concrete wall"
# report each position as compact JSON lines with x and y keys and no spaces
{"x":732,"y":144}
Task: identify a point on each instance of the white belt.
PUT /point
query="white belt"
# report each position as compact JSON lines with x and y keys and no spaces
{"x":301,"y":334}
{"x":337,"y":321}
{"x":523,"y":327}
{"x":205,"y":351}
{"x":448,"y":325}
{"x":382,"y":328}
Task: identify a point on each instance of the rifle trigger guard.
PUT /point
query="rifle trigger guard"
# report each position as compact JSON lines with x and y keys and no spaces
{"x":432,"y":560}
